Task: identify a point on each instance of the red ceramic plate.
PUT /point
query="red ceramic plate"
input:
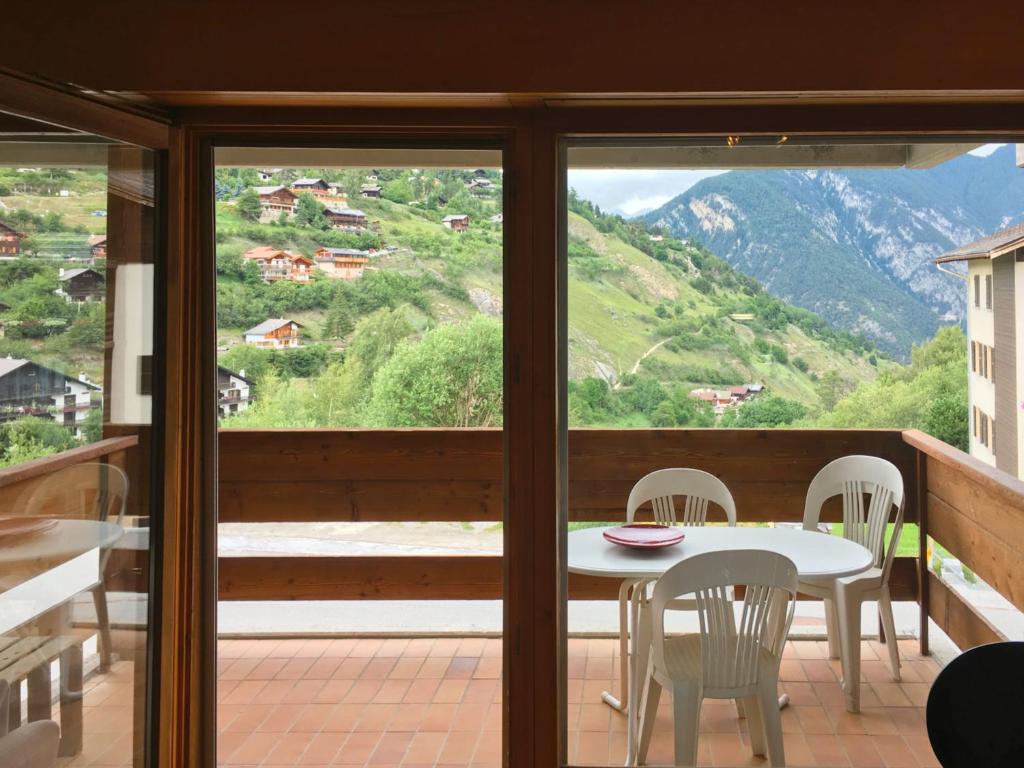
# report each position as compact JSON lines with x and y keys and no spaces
{"x":644,"y":535}
{"x":13,"y":527}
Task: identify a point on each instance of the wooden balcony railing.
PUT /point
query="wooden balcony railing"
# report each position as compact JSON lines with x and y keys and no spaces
{"x":977,"y":513}
{"x":974,"y":511}
{"x":456,"y":475}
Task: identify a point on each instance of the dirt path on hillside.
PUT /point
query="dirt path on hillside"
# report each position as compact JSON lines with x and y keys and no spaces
{"x":644,"y":356}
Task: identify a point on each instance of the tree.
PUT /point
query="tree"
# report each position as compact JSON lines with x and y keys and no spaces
{"x":397,"y":191}
{"x":946,"y":420}
{"x":831,"y":389}
{"x":769,"y":411}
{"x":252,"y":362}
{"x":779,"y":354}
{"x":929,"y":394}
{"x":309,"y":212}
{"x":248,"y":205}
{"x":32,"y":438}
{"x":339,"y":322}
{"x":89,"y":329}
{"x":451,"y":378}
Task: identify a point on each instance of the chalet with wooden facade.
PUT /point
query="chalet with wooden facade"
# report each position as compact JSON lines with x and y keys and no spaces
{"x":81,"y":285}
{"x":274,"y":334}
{"x":316,"y":187}
{"x":343,"y":263}
{"x":346,"y":218}
{"x":30,"y":389}
{"x":233,"y":392}
{"x":370,"y":190}
{"x":456,"y":222}
{"x":276,"y":264}
{"x":277,"y":200}
{"x":97,"y":247}
{"x":10,"y":240}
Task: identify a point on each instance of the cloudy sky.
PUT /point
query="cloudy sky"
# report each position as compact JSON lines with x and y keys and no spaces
{"x":634,"y":191}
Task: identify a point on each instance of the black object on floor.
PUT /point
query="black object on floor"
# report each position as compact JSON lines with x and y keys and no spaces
{"x":976,"y":709}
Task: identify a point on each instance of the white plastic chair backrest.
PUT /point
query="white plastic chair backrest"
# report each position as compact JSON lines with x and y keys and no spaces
{"x":730,"y":649}
{"x":853,"y":478}
{"x":698,"y":487}
{"x":89,"y":491}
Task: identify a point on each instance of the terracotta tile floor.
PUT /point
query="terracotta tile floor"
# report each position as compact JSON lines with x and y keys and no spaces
{"x":437,"y":702}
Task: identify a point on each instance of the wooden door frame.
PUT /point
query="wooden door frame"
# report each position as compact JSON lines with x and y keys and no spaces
{"x":530,"y":728}
{"x":534,"y":615}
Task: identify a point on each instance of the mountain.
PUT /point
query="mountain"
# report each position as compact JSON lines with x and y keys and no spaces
{"x":854,"y":246}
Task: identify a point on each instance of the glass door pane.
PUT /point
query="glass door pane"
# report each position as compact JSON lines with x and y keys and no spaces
{"x":360,"y":388}
{"x":79,"y":387}
{"x":754,"y":308}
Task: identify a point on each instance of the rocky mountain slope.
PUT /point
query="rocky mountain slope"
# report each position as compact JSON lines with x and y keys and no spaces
{"x":854,"y":246}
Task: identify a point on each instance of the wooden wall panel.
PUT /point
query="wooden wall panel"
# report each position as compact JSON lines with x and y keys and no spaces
{"x":399,"y":475}
{"x":455,"y":577}
{"x":957,"y":618}
{"x":420,"y":577}
{"x":532,"y":47}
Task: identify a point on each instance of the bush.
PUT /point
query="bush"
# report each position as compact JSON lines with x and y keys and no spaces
{"x":769,"y":411}
{"x":451,"y":378}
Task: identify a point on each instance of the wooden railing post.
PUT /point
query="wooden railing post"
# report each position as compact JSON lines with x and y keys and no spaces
{"x":921,"y":478}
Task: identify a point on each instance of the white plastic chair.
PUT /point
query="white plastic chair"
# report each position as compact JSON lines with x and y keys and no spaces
{"x":32,"y":745}
{"x":729,"y":659}
{"x":854,"y":478}
{"x":89,"y":491}
{"x":699,"y":490}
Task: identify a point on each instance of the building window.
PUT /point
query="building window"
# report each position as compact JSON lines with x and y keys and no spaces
{"x":988,"y":291}
{"x":977,"y":290}
{"x":984,"y":428}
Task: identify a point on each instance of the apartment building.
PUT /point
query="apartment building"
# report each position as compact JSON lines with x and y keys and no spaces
{"x":995,"y":332}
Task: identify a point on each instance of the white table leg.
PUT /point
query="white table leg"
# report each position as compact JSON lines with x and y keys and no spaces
{"x":621,"y":704}
{"x":639,"y":658}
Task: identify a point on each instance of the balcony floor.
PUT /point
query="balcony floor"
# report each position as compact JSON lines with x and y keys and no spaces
{"x":437,"y":702}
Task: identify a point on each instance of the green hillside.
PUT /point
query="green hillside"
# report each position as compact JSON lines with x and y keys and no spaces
{"x":649,"y":321}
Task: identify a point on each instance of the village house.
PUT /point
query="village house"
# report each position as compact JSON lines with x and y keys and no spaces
{"x":80,"y":285}
{"x":30,"y":389}
{"x":97,"y":247}
{"x":276,"y":264}
{"x":995,"y":382}
{"x":345,"y":218}
{"x":10,"y":240}
{"x":370,"y":190}
{"x":480,"y":183}
{"x":456,"y":222}
{"x":720,"y":399}
{"x":274,"y":334}
{"x":316,"y":187}
{"x":274,"y":200}
{"x":233,"y":391}
{"x":343,"y":263}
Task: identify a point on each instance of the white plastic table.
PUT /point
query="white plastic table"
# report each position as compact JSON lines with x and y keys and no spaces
{"x":42,"y":572}
{"x":816,"y":556}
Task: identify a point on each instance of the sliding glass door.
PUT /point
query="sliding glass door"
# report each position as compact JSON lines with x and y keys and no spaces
{"x":81,"y":382}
